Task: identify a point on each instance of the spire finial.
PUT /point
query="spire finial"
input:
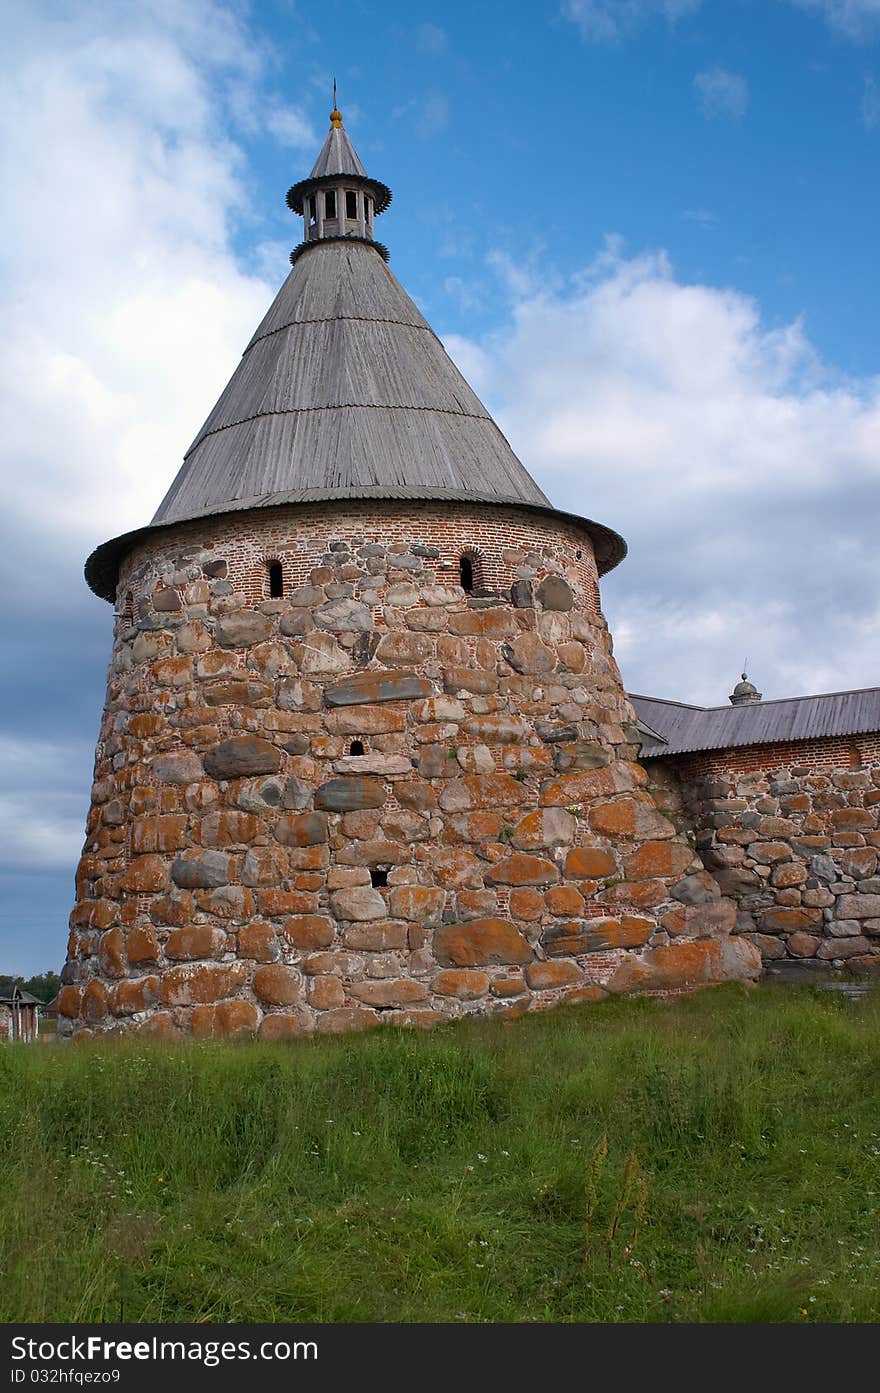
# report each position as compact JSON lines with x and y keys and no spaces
{"x":335,"y":114}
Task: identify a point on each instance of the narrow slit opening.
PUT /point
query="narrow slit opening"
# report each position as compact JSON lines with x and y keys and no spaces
{"x":276,"y":580}
{"x":466,"y":573}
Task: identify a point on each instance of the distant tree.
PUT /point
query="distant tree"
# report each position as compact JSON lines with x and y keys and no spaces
{"x":43,"y":985}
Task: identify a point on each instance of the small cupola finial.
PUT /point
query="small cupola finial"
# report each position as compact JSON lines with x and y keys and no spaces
{"x":335,"y":114}
{"x":339,"y":200}
{"x":745,"y":693}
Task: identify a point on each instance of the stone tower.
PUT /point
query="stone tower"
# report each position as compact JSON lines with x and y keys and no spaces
{"x":365,"y":753}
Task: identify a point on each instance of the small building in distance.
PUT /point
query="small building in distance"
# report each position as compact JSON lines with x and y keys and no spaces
{"x":20,"y":1016}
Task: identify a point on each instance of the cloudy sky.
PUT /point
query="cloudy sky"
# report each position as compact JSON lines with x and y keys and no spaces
{"x":646,"y":230}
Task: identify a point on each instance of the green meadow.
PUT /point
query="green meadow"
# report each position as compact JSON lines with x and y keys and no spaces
{"x":705,"y":1158}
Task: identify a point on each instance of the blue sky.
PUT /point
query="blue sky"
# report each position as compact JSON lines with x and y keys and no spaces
{"x":646,"y":230}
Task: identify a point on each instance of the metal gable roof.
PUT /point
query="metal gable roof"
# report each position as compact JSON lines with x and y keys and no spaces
{"x":685,"y":729}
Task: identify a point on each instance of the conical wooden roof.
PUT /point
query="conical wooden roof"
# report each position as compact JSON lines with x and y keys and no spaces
{"x":337,"y":155}
{"x":344,"y":392}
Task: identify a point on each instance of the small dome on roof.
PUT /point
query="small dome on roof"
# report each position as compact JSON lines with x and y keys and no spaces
{"x":744,"y":693}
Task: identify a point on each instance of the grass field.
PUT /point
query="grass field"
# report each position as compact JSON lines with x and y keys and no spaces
{"x":451,"y":1176}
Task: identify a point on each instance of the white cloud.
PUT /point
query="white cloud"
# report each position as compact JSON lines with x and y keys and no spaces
{"x":430,"y":38}
{"x":607,"y":21}
{"x":290,"y":126}
{"x":743,"y":472}
{"x":122,"y":189}
{"x":433,"y":115}
{"x":701,"y":216}
{"x":856,"y":19}
{"x":429,"y":114}
{"x":721,"y":92}
{"x":468,"y":295}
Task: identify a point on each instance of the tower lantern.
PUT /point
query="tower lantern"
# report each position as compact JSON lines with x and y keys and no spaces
{"x":338,"y":200}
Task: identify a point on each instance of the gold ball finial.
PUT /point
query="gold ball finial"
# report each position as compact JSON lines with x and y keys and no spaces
{"x":336,"y":118}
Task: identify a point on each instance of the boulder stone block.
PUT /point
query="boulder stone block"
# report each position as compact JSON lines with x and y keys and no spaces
{"x":687,"y":964}
{"x":462,"y":983}
{"x":225,"y":1020}
{"x":308,"y":931}
{"x":633,"y":816}
{"x":302,"y":829}
{"x":657,"y":859}
{"x":132,"y":995}
{"x":277,"y":985}
{"x":555,"y":593}
{"x":361,"y":903}
{"x":549,"y":976}
{"x":530,"y":655}
{"x":141,"y":945}
{"x":481,"y":943}
{"x":285,"y":1025}
{"x":242,"y":757}
{"x":419,"y":903}
{"x":544,"y":829}
{"x":346,"y":795}
{"x":388,"y":992}
{"x":782,"y":919}
{"x":596,"y":935}
{"x":194,"y":983}
{"x":522,"y":869}
{"x":345,"y":1019}
{"x":377,"y":936}
{"x":243,"y":628}
{"x":257,"y":940}
{"x":178,"y":767}
{"x":195,"y":941}
{"x":858,"y":907}
{"x":201,"y":870}
{"x":145,"y":875}
{"x":93,"y":1006}
{"x":589,"y":863}
{"x":369,"y":687}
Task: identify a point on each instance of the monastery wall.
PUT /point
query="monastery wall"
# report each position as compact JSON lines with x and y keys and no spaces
{"x":376,"y":796}
{"x":791,"y":832}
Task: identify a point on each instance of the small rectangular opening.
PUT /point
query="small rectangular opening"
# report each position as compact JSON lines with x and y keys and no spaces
{"x":351,"y":204}
{"x":329,"y":204}
{"x":378,"y":878}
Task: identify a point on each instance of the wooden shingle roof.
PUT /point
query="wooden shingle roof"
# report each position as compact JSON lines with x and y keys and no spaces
{"x":672,"y":727}
{"x":344,"y":392}
{"x":344,"y":387}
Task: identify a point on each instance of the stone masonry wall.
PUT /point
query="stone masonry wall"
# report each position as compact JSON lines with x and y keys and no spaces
{"x":376,"y":797}
{"x":792,"y":834}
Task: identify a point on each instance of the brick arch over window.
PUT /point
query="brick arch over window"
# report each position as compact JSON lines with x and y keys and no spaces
{"x":472,"y":570}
